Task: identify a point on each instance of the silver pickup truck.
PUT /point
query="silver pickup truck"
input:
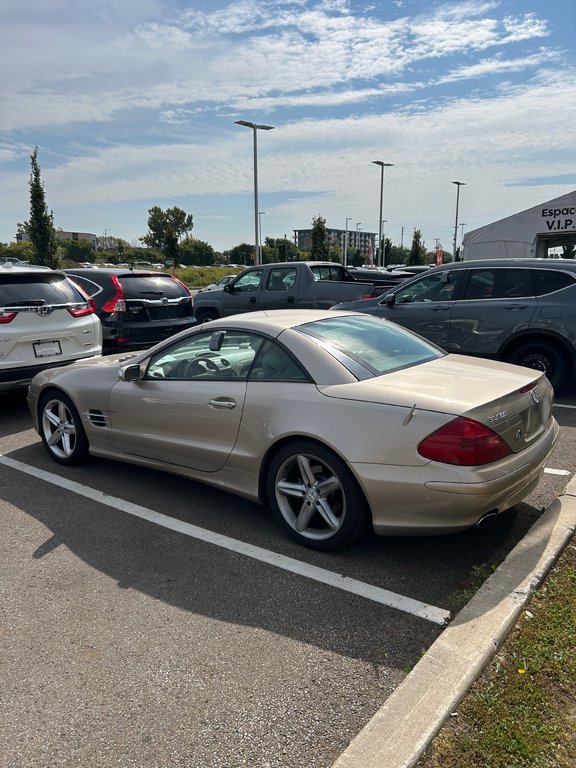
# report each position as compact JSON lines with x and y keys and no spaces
{"x":287,"y":285}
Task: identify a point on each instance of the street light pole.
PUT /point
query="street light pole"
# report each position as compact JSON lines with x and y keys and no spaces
{"x":255,"y":128}
{"x":348,"y":218}
{"x":260,"y":214}
{"x":382,"y":165}
{"x":458,"y":185}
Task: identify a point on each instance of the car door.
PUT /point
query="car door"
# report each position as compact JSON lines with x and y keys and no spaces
{"x":280,"y":289}
{"x":187,"y":409}
{"x":495,"y":304}
{"x":242,"y":294}
{"x":424,"y":305}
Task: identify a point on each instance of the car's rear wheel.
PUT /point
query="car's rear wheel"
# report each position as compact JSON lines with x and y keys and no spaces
{"x":204,"y":315}
{"x":61,"y":429}
{"x":314,"y":496}
{"x":542,"y":357}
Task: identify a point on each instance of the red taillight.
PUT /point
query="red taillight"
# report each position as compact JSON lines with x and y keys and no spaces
{"x":81,"y":310}
{"x":369,"y":295}
{"x":465,"y":442}
{"x":116,"y":303}
{"x":7,"y":317}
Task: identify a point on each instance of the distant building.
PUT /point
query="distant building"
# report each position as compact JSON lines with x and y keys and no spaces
{"x":357,"y":240}
{"x":62,"y":234}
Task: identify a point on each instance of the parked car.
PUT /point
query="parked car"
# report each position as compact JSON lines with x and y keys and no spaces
{"x":334,"y":420}
{"x":521,"y":311}
{"x":223,"y":281}
{"x":137,"y":308}
{"x":45,"y":321}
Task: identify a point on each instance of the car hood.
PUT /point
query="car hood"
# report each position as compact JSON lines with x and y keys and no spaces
{"x":453,"y":384}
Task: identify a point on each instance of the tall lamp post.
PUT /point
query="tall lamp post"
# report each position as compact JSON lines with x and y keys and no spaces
{"x":348,"y":218}
{"x":255,"y":128}
{"x":382,"y":165}
{"x":458,"y":185}
{"x":260,"y":214}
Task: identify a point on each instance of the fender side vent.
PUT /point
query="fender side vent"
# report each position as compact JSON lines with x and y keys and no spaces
{"x":97,"y":418}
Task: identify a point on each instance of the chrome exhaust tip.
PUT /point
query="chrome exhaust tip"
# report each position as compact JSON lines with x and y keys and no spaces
{"x":486,"y":519}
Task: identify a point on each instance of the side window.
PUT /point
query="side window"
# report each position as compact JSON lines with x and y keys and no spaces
{"x":88,"y":286}
{"x":513,"y":284}
{"x":550,"y":280}
{"x":274,"y":363}
{"x":249,"y":281}
{"x":480,"y":284}
{"x":439,"y":287}
{"x":207,"y":355}
{"x":281,"y":279}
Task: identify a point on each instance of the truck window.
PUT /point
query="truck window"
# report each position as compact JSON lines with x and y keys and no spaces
{"x":281,"y":279}
{"x":327,"y":272}
{"x":249,"y":281}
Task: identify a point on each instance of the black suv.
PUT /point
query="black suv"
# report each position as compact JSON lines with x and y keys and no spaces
{"x":522,"y":311}
{"x":137,"y":308}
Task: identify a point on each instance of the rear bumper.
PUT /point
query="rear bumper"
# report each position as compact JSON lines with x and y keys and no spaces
{"x":141,"y":335}
{"x":20,"y":378}
{"x":419,"y":500}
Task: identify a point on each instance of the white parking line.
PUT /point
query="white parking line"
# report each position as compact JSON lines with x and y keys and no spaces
{"x":376,"y":594}
{"x":549,"y":471}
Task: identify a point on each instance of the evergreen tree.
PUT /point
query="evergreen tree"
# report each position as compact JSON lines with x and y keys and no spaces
{"x":319,"y":249}
{"x":40,"y":228}
{"x":417,"y":251}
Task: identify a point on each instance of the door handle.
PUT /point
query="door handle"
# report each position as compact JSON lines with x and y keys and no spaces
{"x":515,"y":307}
{"x":223,"y":403}
{"x":252,"y":299}
{"x":440,"y":309}
{"x":290,"y":299}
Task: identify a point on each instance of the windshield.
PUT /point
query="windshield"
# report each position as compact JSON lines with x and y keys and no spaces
{"x":378,"y":345}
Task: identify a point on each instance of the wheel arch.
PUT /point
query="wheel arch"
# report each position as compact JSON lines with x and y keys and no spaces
{"x":557,"y":342}
{"x":286,"y":440}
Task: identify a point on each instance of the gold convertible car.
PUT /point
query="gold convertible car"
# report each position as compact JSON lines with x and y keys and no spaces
{"x":335,"y":420}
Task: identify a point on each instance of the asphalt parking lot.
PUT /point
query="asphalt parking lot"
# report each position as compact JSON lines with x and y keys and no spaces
{"x":147,"y":620}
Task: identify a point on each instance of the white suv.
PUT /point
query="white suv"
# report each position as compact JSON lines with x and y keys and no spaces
{"x":45,"y":321}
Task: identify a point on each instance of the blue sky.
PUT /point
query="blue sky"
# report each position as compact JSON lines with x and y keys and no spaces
{"x":133,"y":104}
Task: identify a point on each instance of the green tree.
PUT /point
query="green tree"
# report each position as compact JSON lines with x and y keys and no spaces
{"x":241,"y":254}
{"x":196,"y":252}
{"x":40,"y":228}
{"x":22,"y":250}
{"x":165,"y":228}
{"x":319,"y":248}
{"x":77,"y":251}
{"x":417,"y":251}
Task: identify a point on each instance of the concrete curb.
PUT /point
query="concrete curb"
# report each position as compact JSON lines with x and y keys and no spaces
{"x":411,"y":717}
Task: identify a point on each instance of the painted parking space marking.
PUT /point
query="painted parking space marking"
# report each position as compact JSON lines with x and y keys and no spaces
{"x":550,"y":471}
{"x":330,"y":578}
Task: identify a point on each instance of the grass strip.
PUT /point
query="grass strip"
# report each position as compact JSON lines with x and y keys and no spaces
{"x":521,"y":712}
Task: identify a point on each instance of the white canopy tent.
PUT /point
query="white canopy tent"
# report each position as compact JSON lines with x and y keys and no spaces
{"x":526,"y":234}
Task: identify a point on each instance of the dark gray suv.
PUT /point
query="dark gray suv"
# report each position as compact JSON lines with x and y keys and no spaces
{"x":522,"y":311}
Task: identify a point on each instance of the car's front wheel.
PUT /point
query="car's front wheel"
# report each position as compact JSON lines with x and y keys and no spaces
{"x":205,"y":315}
{"x":61,"y":429}
{"x":314,"y":496}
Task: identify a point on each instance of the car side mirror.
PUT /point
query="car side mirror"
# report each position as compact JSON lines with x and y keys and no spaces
{"x":130,"y":373}
{"x":389,"y":299}
{"x":229,"y":288}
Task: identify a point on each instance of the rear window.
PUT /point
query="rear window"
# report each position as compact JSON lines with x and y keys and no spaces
{"x":151,"y":287}
{"x":377,"y":345}
{"x":550,"y":280}
{"x":39,"y":289}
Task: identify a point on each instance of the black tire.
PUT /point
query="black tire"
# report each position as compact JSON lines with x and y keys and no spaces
{"x":315,"y":498}
{"x":543,"y":357}
{"x":61,"y":430}
{"x":205,"y":315}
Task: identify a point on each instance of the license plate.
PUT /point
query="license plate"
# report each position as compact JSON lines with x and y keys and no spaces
{"x":47,"y":348}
